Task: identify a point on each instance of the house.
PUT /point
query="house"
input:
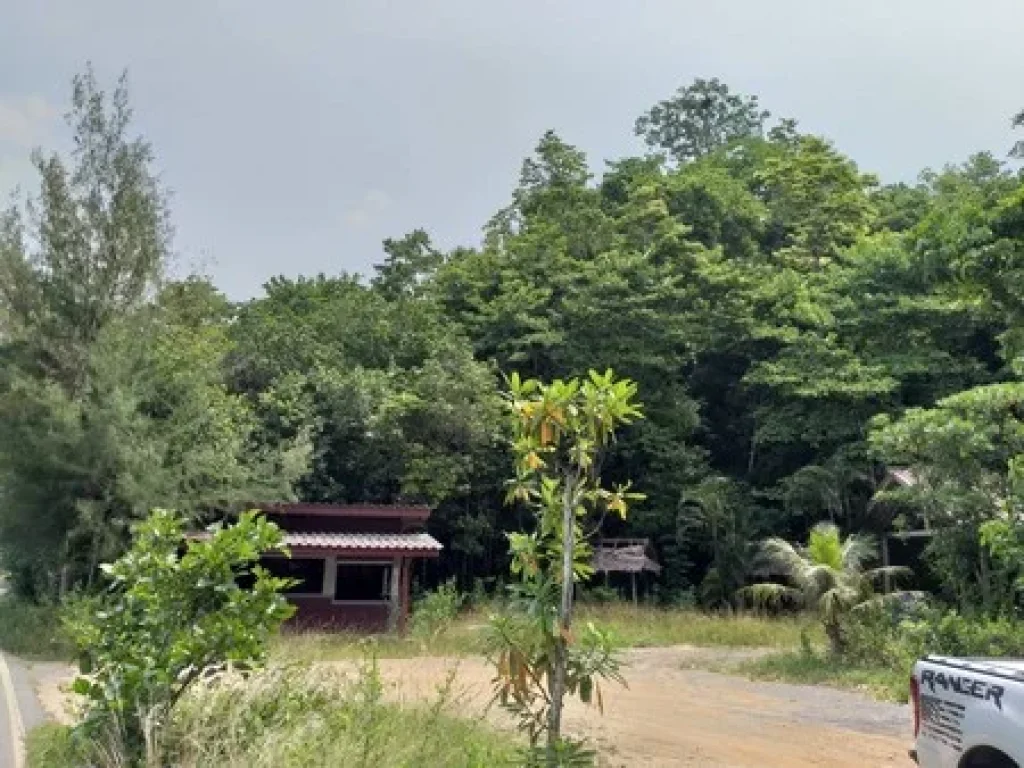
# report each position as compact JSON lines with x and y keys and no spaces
{"x":353,"y":563}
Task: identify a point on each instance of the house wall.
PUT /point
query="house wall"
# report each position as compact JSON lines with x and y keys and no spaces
{"x":314,"y":612}
{"x":323,"y":613}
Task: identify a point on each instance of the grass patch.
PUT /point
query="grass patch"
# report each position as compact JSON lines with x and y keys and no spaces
{"x":642,"y":627}
{"x":51,"y":746}
{"x":462,"y":638}
{"x":33,"y":631}
{"x":297,"y":717}
{"x":634,"y":627}
{"x":814,"y":668}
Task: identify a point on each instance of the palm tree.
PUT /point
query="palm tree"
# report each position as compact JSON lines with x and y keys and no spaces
{"x":827,"y":575}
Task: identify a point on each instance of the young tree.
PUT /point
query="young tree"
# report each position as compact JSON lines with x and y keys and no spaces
{"x":560,"y":431}
{"x":166,"y":619}
{"x":827,"y":575}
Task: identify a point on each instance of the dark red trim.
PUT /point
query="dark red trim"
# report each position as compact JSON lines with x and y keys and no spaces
{"x":409,"y":512}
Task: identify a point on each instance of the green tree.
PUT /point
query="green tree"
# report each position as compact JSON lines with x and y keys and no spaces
{"x":411,"y":260}
{"x":91,"y":246}
{"x":560,"y":431}
{"x":818,"y":200}
{"x":965,"y":452}
{"x":699,"y":119}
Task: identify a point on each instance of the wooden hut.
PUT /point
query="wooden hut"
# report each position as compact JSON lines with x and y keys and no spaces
{"x":632,"y":556}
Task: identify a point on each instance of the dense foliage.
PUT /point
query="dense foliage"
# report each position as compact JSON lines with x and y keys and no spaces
{"x":166,"y":619}
{"x":795,"y":327}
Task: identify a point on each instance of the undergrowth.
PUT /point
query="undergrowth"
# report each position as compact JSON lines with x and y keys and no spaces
{"x":632,"y":627}
{"x":812,"y":667}
{"x":33,"y":631}
{"x":297,"y":717}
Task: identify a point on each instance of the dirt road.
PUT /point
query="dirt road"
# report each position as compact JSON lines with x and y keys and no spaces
{"x":675,"y":715}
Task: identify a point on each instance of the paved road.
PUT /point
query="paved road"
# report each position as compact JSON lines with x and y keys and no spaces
{"x":19,"y":708}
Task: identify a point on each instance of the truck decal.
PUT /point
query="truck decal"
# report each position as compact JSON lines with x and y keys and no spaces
{"x":942,"y":721}
{"x":964,"y":686}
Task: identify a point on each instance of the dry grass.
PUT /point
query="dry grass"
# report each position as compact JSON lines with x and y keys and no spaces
{"x":297,"y":717}
{"x":634,"y":627}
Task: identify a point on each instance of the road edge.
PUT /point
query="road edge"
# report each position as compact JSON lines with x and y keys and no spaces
{"x":17,"y":726}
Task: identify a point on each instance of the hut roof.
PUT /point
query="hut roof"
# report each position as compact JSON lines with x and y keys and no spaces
{"x":624,"y":556}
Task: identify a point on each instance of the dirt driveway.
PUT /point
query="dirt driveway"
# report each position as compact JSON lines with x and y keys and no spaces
{"x":675,"y":715}
{"x":672,"y":714}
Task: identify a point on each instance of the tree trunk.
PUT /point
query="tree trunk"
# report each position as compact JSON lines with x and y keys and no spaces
{"x":557,"y":688}
{"x":834,"y":633}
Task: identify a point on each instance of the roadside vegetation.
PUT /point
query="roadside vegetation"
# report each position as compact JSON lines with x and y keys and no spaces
{"x":295,"y":717}
{"x":631,"y":626}
{"x":33,"y":631}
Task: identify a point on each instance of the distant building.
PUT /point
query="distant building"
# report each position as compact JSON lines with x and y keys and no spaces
{"x":353,"y":562}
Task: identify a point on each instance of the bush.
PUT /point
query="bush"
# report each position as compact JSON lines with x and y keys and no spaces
{"x":33,"y":631}
{"x":435,"y":611}
{"x":168,"y":618}
{"x":54,"y":746}
{"x":882,"y":645}
{"x":296,"y":717}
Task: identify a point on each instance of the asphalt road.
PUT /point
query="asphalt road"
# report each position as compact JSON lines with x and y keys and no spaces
{"x":6,"y":738}
{"x":19,"y":708}
{"x":8,"y":741}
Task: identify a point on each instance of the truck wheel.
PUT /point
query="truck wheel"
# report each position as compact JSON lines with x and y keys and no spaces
{"x":986,"y":757}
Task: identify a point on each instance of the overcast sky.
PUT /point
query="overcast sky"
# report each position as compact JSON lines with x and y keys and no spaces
{"x":296,"y":135}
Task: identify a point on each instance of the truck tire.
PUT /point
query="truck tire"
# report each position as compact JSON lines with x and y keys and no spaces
{"x":986,"y":757}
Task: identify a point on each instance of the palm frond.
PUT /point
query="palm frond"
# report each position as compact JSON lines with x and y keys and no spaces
{"x":892,"y":571}
{"x":889,"y":598}
{"x":857,"y":550}
{"x":837,"y":600}
{"x":777,"y":557}
{"x":819,"y":577}
{"x":768,"y":595}
{"x":824,"y":545}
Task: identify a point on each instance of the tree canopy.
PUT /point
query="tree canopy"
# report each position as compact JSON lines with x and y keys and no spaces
{"x":794,"y":325}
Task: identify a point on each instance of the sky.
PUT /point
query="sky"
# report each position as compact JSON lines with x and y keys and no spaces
{"x":295,"y":136}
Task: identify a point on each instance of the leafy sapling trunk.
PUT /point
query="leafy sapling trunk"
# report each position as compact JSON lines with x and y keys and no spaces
{"x":568,"y":584}
{"x":560,"y":431}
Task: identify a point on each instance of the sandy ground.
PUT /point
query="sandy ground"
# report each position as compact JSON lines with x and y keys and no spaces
{"x":672,"y":714}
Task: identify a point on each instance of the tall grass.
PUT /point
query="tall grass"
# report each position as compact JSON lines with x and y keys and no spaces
{"x":296,"y":717}
{"x":811,"y":667}
{"x":32,"y":631}
{"x":632,"y":626}
{"x":641,"y":626}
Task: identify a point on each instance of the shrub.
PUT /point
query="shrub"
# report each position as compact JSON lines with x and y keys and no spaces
{"x":435,"y":611}
{"x":33,"y":631}
{"x":168,"y":618}
{"x":54,"y":746}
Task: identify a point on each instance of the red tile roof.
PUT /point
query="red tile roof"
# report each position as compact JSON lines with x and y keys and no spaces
{"x":399,"y":542}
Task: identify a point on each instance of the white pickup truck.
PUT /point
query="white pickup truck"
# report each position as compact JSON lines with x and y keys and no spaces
{"x":968,"y":713}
